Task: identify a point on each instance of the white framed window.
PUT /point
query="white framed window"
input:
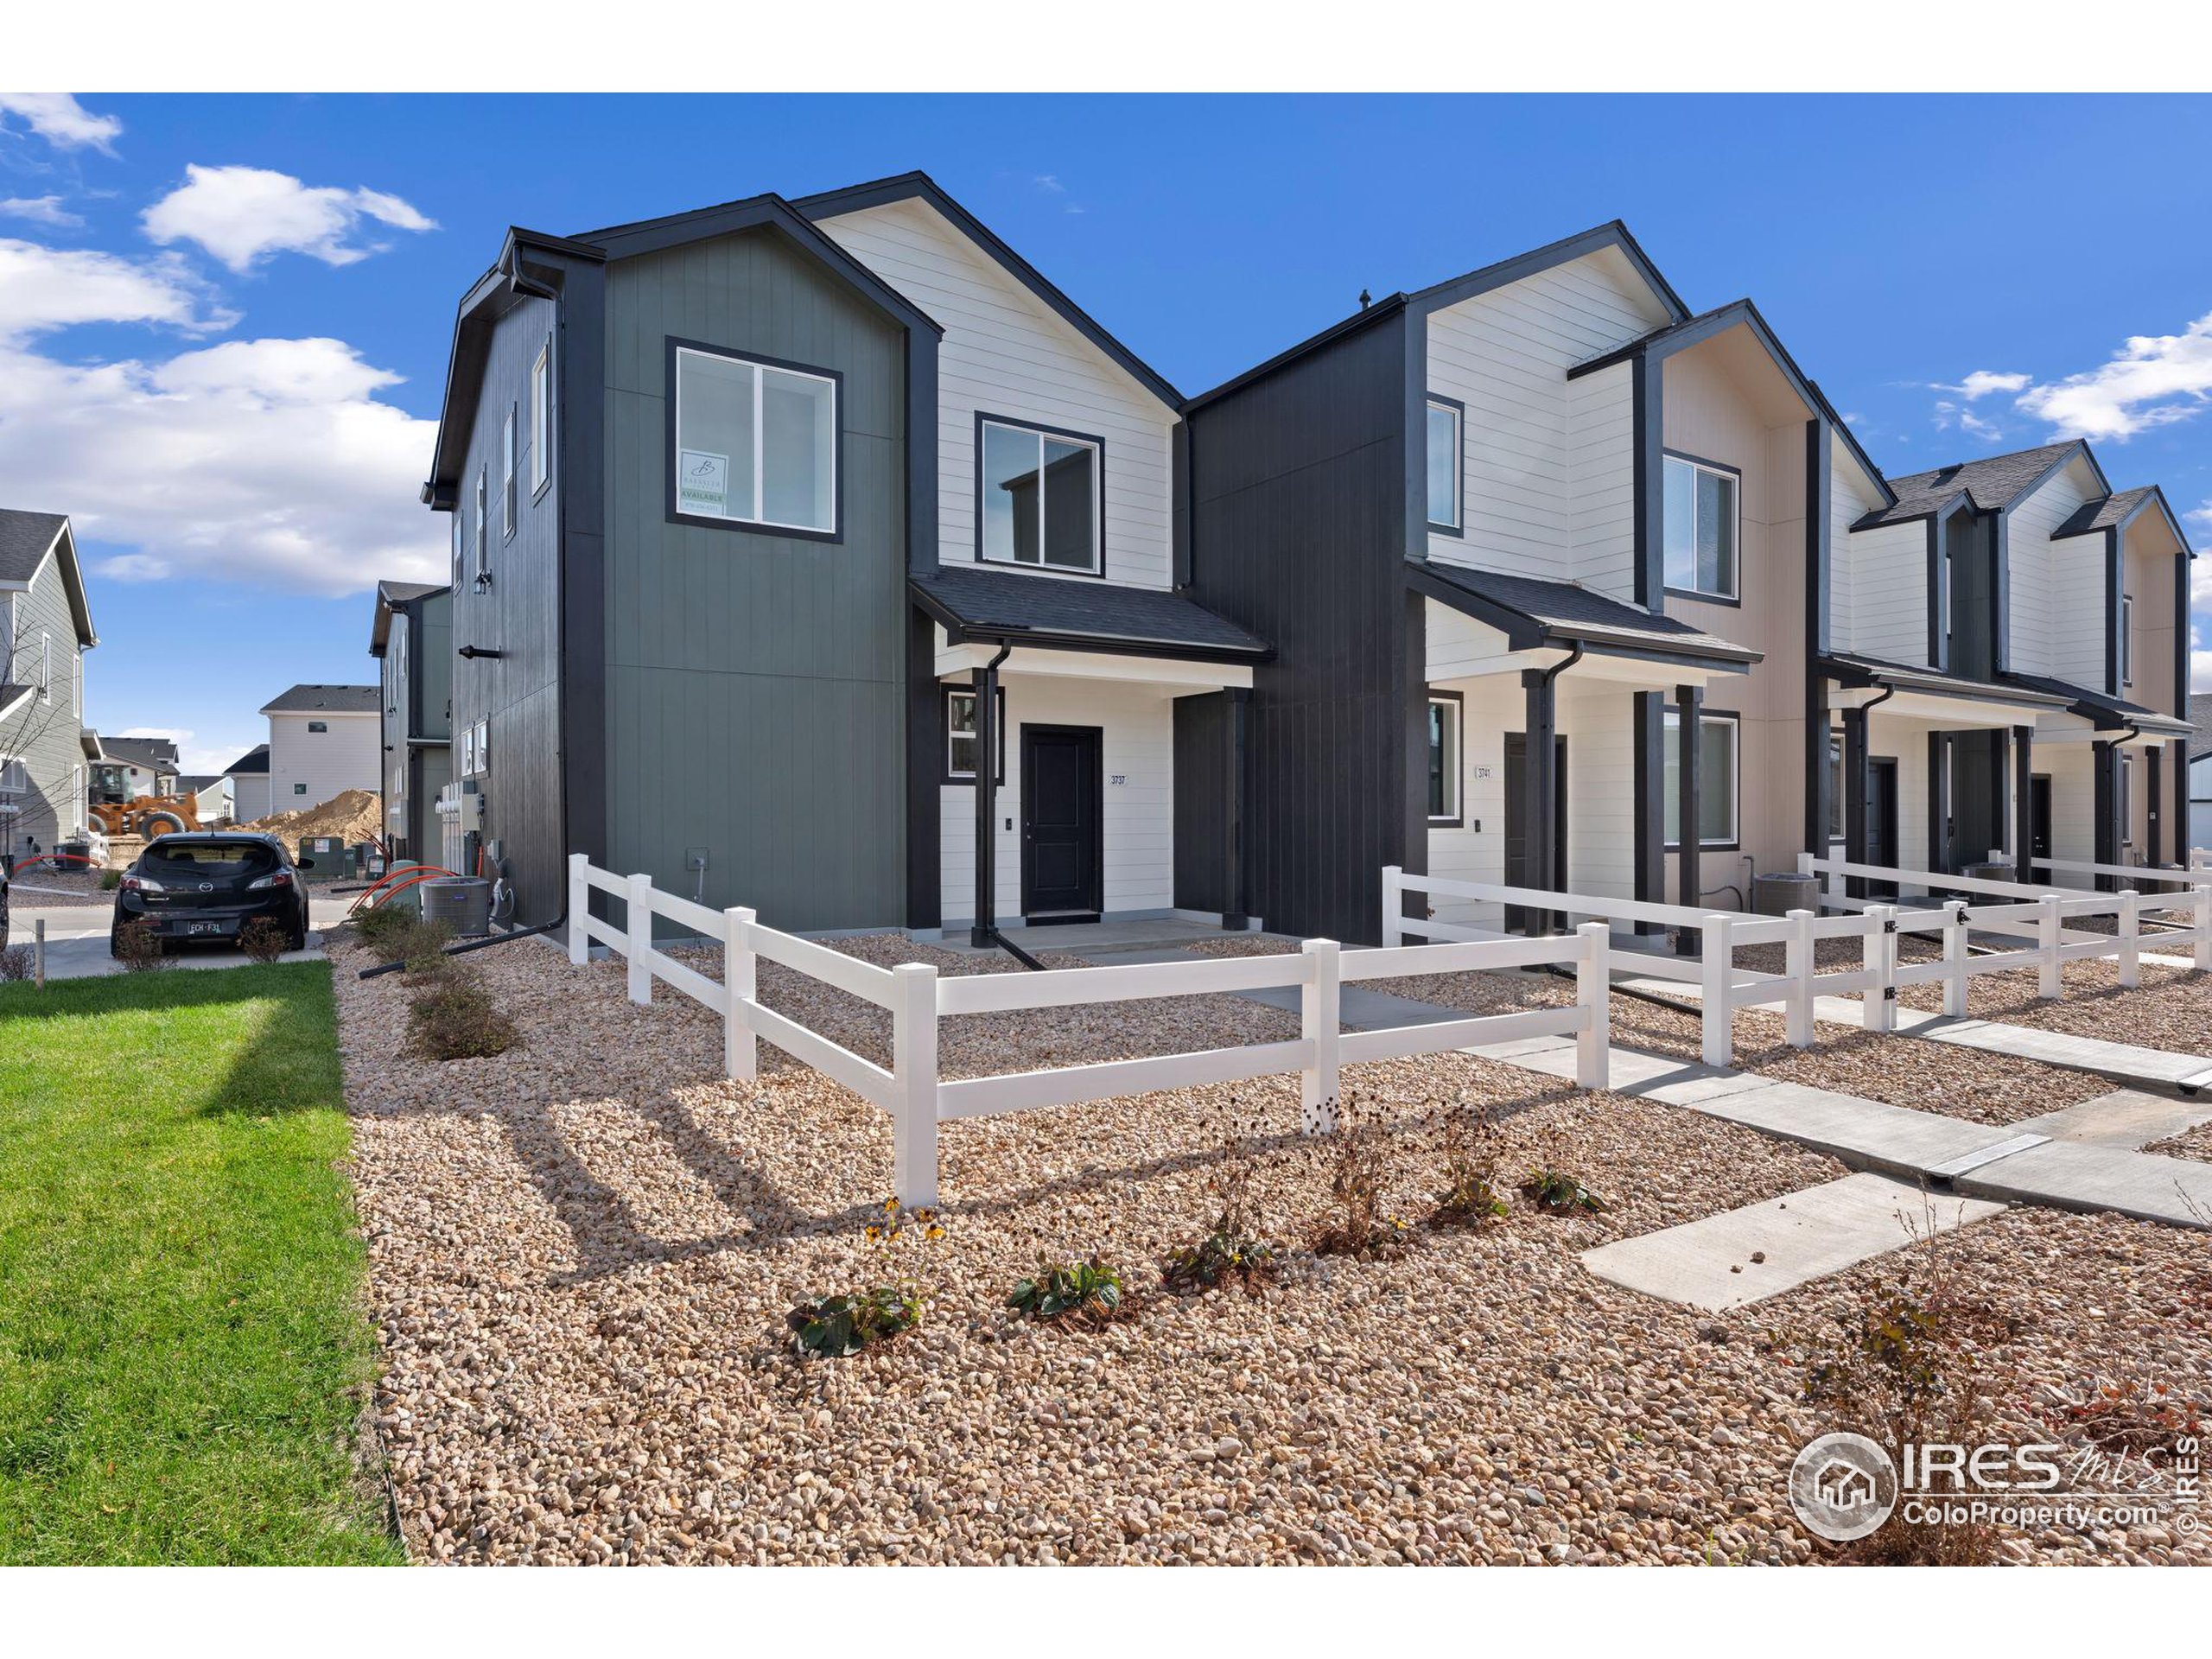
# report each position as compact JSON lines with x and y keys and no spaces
{"x":468,"y":751}
{"x":399,"y":663}
{"x":318,"y":726}
{"x":1447,"y":712}
{"x":1446,"y":463}
{"x":507,"y":478}
{"x":1039,"y":497}
{"x":1835,"y":786}
{"x":459,"y":528}
{"x":14,"y":782}
{"x":299,"y":788}
{"x":541,"y":418}
{"x":2126,"y":782}
{"x":1703,"y":509}
{"x":2127,"y":639}
{"x":8,"y":643}
{"x":1717,"y":779}
{"x":483,"y":547}
{"x":755,"y":442}
{"x":46,"y":668}
{"x":959,"y":734}
{"x":483,"y":746}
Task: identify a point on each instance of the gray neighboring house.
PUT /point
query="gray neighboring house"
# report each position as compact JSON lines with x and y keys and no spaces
{"x":129,"y":768}
{"x":248,"y":777}
{"x":46,"y":628}
{"x":412,"y":638}
{"x":2200,"y":772}
{"x":210,"y":796}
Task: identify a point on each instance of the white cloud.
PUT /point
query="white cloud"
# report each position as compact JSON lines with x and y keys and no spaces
{"x":63,"y":121}
{"x":1950,"y":413}
{"x":43,"y":288}
{"x":40,"y":210}
{"x":243,"y":214}
{"x":1983,"y":382}
{"x":1049,"y":182}
{"x":2152,"y":380}
{"x":2203,"y":515}
{"x":195,"y":757}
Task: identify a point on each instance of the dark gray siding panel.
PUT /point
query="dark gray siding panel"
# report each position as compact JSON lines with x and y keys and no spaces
{"x":755,"y":683}
{"x":1205,"y":736}
{"x":1297,"y":533}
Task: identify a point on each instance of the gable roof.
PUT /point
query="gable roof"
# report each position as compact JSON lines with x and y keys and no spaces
{"x":920,"y":187}
{"x":1453,"y":290}
{"x":253,"y":761}
{"x":2117,"y":511}
{"x":1067,"y":613}
{"x":2200,"y":720}
{"x":391,"y":597}
{"x":326,"y":700}
{"x":1531,"y":613}
{"x":192,"y":783}
{"x":1990,"y":484}
{"x":25,"y":540}
{"x":154,"y":753}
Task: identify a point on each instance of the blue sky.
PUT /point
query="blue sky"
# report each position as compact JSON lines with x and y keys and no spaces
{"x":224,"y":319}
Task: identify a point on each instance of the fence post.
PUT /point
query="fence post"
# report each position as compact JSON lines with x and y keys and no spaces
{"x":741,"y":1048}
{"x":1719,"y":974}
{"x":579,"y":907}
{"x":1594,"y":991}
{"x":1877,"y":952}
{"x":2131,"y":934}
{"x":38,"y":952}
{"x":1804,"y":863}
{"x":641,"y":938}
{"x":2048,"y":981}
{"x":1954,"y":961}
{"x":2201,"y":927}
{"x":1797,"y":964}
{"x":1394,"y":905}
{"x":1321,"y":1012}
{"x":913,"y":1083}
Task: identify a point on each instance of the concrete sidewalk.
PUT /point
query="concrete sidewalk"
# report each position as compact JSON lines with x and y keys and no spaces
{"x":76,"y":940}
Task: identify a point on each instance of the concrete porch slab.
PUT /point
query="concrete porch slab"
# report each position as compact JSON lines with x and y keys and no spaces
{"x":2085,"y":1176}
{"x":2127,"y":1118}
{"x":1710,"y":1263}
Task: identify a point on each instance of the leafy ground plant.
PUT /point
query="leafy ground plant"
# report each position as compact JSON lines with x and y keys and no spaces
{"x":111,"y":879}
{"x":839,"y":1326}
{"x":1075,"y":1293}
{"x":1557,"y":1192}
{"x":454,"y":1017}
{"x":1469,"y":1197}
{"x":1358,"y":1224}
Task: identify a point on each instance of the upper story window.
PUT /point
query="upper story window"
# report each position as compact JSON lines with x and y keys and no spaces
{"x":1445,"y":712}
{"x":46,"y":668}
{"x":755,"y":442}
{"x":459,"y":526}
{"x":1702,"y":514}
{"x":1717,"y":778}
{"x":541,"y":418}
{"x":483,"y":547}
{"x":1039,"y":497}
{"x":507,"y":476}
{"x":2127,"y":639}
{"x":1445,"y":464}
{"x":318,"y":726}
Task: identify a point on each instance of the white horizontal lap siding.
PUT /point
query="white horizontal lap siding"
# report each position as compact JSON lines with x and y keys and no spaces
{"x":1493,"y":704}
{"x":1005,"y":353}
{"x":1601,"y":469}
{"x":1505,"y":354}
{"x":1457,"y":645}
{"x":1887,"y":572}
{"x":350,"y":755}
{"x":1599,"y":726}
{"x":2073,"y":772}
{"x":249,"y":796}
{"x":1850,"y":498}
{"x":2043,"y":626}
{"x":1137,"y":744}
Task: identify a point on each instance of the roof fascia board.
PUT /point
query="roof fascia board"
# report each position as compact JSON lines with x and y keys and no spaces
{"x":959,"y":632}
{"x":909,"y":187}
{"x":1948,"y":505}
{"x":2079,"y":447}
{"x":1612,"y":234}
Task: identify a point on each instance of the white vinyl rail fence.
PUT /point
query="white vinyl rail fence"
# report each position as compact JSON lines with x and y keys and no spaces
{"x":918,"y":998}
{"x":1723,"y":986}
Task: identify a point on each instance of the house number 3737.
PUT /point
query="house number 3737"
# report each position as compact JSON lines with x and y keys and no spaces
{"x":1118,"y":779}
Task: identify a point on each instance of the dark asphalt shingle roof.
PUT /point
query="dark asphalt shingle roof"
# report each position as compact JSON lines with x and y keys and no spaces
{"x":1565,"y":612}
{"x":157,"y":753}
{"x":1851,"y":665}
{"x":327,"y":699}
{"x":24,"y":537}
{"x":1992,"y":482}
{"x":2105,"y":711}
{"x":254,"y":760}
{"x":399,"y":593}
{"x":199,"y":780}
{"x":2103,"y":514}
{"x":1069,"y":613}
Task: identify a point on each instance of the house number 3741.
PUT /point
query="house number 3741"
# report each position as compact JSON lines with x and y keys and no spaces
{"x":1118,"y":779}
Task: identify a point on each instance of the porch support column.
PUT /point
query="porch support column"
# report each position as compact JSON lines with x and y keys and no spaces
{"x":986,"y":682}
{"x":1539,"y":826}
{"x":1858,"y":774}
{"x":1238,"y":915}
{"x":2023,"y":802}
{"x":1689,"y":703}
{"x":2179,"y":750}
{"x":2154,"y":803}
{"x":1650,"y":774}
{"x":2106,"y":770}
{"x":1939,"y":804}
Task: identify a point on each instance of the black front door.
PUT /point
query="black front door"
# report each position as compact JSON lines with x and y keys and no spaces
{"x":1882,"y":821}
{"x":2039,"y":814}
{"x":1516,"y":830}
{"x":1063,"y":863}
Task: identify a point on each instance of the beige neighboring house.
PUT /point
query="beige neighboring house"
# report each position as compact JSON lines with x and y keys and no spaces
{"x":248,"y":777}
{"x":323,"y":741}
{"x":45,"y":630}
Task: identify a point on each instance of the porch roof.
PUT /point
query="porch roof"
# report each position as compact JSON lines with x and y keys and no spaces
{"x":1531,"y":612}
{"x":1851,"y":668}
{"x":1078,"y":613}
{"x":2105,"y":712}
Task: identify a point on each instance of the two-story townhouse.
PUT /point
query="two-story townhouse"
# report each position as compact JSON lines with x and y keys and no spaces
{"x":1511,"y":535}
{"x":2010,"y":662}
{"x":412,"y":640}
{"x":820,"y":556}
{"x":46,"y":628}
{"x":323,"y":741}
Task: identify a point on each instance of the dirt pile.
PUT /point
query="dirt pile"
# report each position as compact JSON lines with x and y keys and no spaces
{"x":357,"y":815}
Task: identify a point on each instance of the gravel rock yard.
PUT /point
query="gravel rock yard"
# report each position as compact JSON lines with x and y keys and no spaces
{"x":2171,"y":1009}
{"x":36,"y":888}
{"x":581,"y":1253}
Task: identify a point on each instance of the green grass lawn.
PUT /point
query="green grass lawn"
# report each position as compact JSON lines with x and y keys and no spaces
{"x":182,"y":1349}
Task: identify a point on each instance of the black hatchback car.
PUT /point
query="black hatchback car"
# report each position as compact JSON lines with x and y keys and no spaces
{"x":209,"y":885}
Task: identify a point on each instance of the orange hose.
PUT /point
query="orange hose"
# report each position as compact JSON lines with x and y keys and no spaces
{"x":373,"y":899}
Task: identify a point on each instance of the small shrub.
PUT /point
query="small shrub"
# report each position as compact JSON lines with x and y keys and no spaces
{"x":1231,"y":1249}
{"x":1469,"y":1197}
{"x":406,"y":937}
{"x":1074,"y":1292}
{"x":372,"y":925}
{"x":138,"y":947}
{"x":111,"y":879}
{"x":455,"y":1018}
{"x":263,"y":939}
{"x":836,"y":1327}
{"x":15,"y":963}
{"x":1554,"y":1190}
{"x":1356,"y":1224}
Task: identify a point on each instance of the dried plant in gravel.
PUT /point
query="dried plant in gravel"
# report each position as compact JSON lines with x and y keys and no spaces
{"x":455,"y":1018}
{"x":138,"y":947}
{"x":1469,"y":1197}
{"x":1358,"y":1159}
{"x":263,"y":939}
{"x":839,"y":1326}
{"x":1231,"y":1249}
{"x":1911,"y":1366}
{"x":15,"y":962}
{"x":405,"y":936}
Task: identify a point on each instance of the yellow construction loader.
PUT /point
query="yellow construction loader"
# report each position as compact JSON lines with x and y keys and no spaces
{"x":148,"y":817}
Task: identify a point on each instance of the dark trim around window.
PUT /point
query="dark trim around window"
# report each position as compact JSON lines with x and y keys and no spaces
{"x":671,"y":345}
{"x":1458,"y":819}
{"x":1735,"y":842}
{"x":1459,"y":483}
{"x":1019,"y":425}
{"x":1734,"y":601}
{"x":947,"y":691}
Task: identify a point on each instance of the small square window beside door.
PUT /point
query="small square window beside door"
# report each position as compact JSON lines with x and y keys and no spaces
{"x":1444,"y":741}
{"x":1717,"y":779}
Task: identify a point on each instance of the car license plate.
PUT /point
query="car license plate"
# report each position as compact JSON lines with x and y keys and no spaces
{"x":199,"y":929}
